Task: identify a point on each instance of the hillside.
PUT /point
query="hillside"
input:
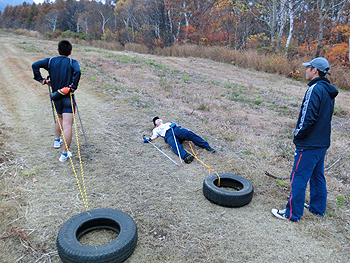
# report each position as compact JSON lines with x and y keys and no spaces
{"x":247,"y":116}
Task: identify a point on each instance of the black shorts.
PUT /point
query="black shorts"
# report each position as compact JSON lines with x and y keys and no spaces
{"x":64,"y":105}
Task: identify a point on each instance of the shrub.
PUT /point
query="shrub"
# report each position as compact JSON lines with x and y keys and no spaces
{"x":276,"y":62}
{"x":138,"y":48}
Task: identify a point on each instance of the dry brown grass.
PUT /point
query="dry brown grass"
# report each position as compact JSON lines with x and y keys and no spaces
{"x":289,"y":67}
{"x":28,"y":33}
{"x":247,"y":116}
{"x":252,"y":59}
{"x":12,"y":193}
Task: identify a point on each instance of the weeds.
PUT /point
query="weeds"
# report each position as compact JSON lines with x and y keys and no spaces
{"x":215,"y":82}
{"x":30,"y":47}
{"x":203,"y":107}
{"x":137,"y":102}
{"x":330,"y":213}
{"x":30,"y":173}
{"x":186,"y":79}
{"x":247,"y":152}
{"x":258,"y":101}
{"x":229,"y":137}
{"x":282,"y":183}
{"x":234,"y":96}
{"x":340,"y":201}
{"x":339,"y":111}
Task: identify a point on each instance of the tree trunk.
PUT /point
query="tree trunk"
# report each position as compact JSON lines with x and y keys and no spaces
{"x":320,"y":4}
{"x":291,"y":24}
{"x":282,"y":20}
{"x":163,"y":24}
{"x":186,"y":21}
{"x":172,"y":34}
{"x":273,"y":22}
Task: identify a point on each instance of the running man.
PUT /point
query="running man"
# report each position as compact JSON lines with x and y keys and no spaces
{"x":63,"y":72}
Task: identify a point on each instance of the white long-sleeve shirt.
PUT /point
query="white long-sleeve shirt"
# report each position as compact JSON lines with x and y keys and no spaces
{"x":161,"y":129}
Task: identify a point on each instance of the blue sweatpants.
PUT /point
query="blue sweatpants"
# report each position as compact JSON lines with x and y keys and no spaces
{"x":308,"y":166}
{"x":181,"y":135}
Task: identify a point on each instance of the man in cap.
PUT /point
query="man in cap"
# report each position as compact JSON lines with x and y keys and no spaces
{"x":174,"y":140}
{"x":312,"y":139}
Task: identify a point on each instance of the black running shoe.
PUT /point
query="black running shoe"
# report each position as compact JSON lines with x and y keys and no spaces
{"x":189,"y":159}
{"x":212,"y":150}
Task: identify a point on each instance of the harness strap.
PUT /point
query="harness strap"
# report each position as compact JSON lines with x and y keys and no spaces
{"x":82,"y":190}
{"x":205,"y":165}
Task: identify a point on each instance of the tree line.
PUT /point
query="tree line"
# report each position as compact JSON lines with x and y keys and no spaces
{"x":306,"y":27}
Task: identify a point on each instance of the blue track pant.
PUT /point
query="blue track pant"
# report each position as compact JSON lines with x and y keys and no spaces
{"x":181,"y":135}
{"x":308,"y":166}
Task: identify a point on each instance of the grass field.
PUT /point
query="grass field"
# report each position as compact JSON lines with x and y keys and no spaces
{"x":247,"y":116}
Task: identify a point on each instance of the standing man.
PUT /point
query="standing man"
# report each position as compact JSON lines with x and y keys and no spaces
{"x":63,"y":72}
{"x":312,"y":139}
{"x":175,"y":139}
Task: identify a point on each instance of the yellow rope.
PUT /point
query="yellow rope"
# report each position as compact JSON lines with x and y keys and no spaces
{"x":205,"y":165}
{"x":83,"y":196}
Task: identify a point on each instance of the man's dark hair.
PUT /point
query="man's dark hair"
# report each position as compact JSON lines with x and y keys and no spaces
{"x":320,"y":73}
{"x":154,"y":120}
{"x":64,"y":48}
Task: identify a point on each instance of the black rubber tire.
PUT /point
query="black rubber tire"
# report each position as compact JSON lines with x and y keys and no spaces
{"x":119,"y":249}
{"x":217,"y":195}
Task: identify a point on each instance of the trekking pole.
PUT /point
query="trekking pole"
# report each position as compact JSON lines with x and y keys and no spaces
{"x":177,"y":147}
{"x":162,"y":152}
{"x":49,"y":86}
{"x":82,"y":128}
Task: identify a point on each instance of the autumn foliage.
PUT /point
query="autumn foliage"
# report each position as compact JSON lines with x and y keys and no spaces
{"x":274,"y":31}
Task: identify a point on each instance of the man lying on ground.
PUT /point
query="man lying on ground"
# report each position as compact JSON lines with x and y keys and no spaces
{"x":175,"y":135}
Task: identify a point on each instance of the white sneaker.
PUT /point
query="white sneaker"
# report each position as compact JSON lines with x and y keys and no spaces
{"x":57,"y":144}
{"x":64,"y":158}
{"x":280,"y":214}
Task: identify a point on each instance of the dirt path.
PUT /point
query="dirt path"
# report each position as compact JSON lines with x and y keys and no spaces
{"x":117,"y":101}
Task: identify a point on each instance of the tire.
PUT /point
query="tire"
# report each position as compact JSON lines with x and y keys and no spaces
{"x":119,"y":249}
{"x":217,"y":195}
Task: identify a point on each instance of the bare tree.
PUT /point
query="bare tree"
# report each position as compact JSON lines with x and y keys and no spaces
{"x":132,"y":14}
{"x":293,"y":7}
{"x":83,"y":21}
{"x":52,"y":18}
{"x":105,"y":18}
{"x":105,"y":12}
{"x":266,"y":12}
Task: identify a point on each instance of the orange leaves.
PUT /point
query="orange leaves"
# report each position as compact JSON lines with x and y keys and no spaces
{"x":308,"y":48}
{"x":342,"y":29}
{"x":335,"y":53}
{"x":338,"y":53}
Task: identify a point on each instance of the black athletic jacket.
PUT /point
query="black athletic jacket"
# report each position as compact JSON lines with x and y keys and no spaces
{"x":313,"y":128}
{"x":63,"y":71}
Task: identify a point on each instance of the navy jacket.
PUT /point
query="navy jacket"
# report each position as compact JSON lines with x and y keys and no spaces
{"x":313,"y":128}
{"x":63,"y":71}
